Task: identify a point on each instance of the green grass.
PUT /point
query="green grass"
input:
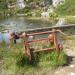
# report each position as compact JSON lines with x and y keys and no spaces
{"x":15,"y":62}
{"x":70,"y":19}
{"x":68,"y":8}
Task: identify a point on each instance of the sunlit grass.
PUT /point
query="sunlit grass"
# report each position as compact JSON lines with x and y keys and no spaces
{"x":15,"y":61}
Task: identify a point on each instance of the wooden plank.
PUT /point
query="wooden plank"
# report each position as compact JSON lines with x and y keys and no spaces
{"x":33,"y":34}
{"x":41,"y":50}
{"x":38,"y":40}
{"x":27,"y":49}
{"x":55,"y":39}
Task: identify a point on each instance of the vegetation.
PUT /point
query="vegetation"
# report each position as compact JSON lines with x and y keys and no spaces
{"x":70,"y":19}
{"x":3,"y":7}
{"x":15,"y":62}
{"x":53,"y":17}
{"x":68,"y":8}
{"x":35,"y":7}
{"x":67,"y":11}
{"x":4,"y":11}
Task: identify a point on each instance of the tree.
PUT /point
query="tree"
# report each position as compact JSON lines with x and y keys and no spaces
{"x":3,"y":7}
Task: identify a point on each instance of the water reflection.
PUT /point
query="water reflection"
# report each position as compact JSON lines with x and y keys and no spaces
{"x":21,"y":23}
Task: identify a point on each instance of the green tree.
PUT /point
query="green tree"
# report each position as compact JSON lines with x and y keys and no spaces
{"x":3,"y":7}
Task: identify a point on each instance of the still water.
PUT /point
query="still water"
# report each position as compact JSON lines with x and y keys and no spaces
{"x":22,"y":24}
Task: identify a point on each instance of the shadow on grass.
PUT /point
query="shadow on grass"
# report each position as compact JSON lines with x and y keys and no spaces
{"x":41,"y":59}
{"x":69,"y":59}
{"x":23,"y":61}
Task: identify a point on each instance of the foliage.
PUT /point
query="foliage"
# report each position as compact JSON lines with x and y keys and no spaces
{"x":3,"y":5}
{"x":53,"y":17}
{"x":70,"y":19}
{"x":68,"y":8}
{"x":15,"y":61}
{"x":25,"y":10}
{"x":51,"y":59}
{"x":3,"y":8}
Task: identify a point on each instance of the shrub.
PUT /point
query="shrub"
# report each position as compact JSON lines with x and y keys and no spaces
{"x":52,"y":59}
{"x":53,"y":15}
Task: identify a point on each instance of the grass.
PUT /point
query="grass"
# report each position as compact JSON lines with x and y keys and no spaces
{"x":51,"y":59}
{"x":16,"y":63}
{"x":68,"y":8}
{"x":70,"y":19}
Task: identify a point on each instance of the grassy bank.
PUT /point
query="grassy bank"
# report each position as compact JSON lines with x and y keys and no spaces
{"x":68,"y":8}
{"x":70,"y":19}
{"x":43,"y":19}
{"x":14,"y":62}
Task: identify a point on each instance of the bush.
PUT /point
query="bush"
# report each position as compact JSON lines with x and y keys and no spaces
{"x":53,"y":16}
{"x":52,"y":59}
{"x":25,"y":10}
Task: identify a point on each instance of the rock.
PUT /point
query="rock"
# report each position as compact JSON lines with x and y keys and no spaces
{"x":45,"y":14}
{"x":72,"y":65}
{"x":72,"y":73}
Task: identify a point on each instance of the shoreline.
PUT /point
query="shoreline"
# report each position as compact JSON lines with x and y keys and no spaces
{"x":47,"y":19}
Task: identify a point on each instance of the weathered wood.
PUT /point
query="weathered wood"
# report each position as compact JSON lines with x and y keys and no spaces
{"x":63,"y":28}
{"x":27,"y":49}
{"x":27,"y":43}
{"x":39,"y":33}
{"x":54,"y":39}
{"x":38,"y":40}
{"x":42,"y":50}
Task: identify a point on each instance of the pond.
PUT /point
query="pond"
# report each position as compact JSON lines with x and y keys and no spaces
{"x":22,"y":24}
